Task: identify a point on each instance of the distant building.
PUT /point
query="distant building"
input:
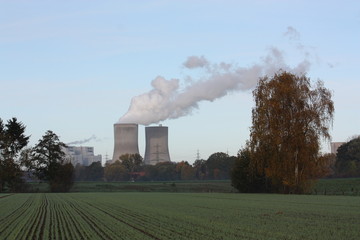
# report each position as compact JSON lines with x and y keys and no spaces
{"x":335,"y":146}
{"x":81,"y":155}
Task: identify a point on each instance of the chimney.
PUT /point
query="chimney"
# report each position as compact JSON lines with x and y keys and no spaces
{"x":125,"y":139}
{"x":156,"y":148}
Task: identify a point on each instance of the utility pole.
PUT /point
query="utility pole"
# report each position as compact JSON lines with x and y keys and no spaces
{"x":198,"y":155}
{"x":157,"y":153}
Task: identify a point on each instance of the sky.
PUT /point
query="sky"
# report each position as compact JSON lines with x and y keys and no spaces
{"x":74,"y":67}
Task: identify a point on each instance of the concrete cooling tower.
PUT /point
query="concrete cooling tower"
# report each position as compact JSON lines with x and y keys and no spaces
{"x":125,"y":139}
{"x":156,"y":148}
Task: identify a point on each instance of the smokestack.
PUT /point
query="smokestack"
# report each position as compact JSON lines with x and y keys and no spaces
{"x":125,"y":139}
{"x":156,"y":149}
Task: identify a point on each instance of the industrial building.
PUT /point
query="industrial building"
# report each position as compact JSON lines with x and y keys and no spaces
{"x":156,"y":146}
{"x":334,"y":146}
{"x":81,"y":155}
{"x":125,"y":139}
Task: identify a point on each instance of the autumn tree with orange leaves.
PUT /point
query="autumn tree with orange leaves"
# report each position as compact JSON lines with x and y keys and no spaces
{"x":289,"y":120}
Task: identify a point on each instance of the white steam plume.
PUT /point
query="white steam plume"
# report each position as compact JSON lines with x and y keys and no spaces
{"x":194,"y":62}
{"x":93,"y":137}
{"x":292,"y":33}
{"x":167,"y":101}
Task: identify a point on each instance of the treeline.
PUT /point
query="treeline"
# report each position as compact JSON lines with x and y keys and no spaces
{"x":46,"y":160}
{"x":347,"y":159}
{"x":130,"y":167}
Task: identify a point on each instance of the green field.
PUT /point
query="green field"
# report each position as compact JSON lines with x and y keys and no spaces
{"x":136,"y":215}
{"x":173,"y":186}
{"x":340,"y":186}
{"x":178,"y":186}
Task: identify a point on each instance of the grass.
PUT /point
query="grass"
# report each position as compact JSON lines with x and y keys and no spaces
{"x":178,"y":186}
{"x":136,"y":215}
{"x":340,"y":186}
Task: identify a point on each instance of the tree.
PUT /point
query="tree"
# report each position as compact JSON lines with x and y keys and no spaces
{"x":48,"y":161}
{"x":185,"y":171}
{"x":162,"y":171}
{"x":115,"y":172}
{"x":200,"y":169}
{"x":151,"y":173}
{"x":219,"y":165}
{"x":243,"y":177}
{"x":80,"y":172}
{"x":328,"y":160}
{"x":131,"y":162}
{"x":348,"y":159}
{"x":62,"y":176}
{"x":12,"y":140}
{"x":288,"y":121}
{"x":94,"y":172}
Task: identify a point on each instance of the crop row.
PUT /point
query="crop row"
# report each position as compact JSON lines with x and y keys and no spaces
{"x":54,"y":216}
{"x":178,"y":216}
{"x":148,"y":223}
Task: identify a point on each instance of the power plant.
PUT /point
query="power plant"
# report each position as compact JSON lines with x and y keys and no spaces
{"x":126,"y":142}
{"x":125,"y":139}
{"x":156,"y":148}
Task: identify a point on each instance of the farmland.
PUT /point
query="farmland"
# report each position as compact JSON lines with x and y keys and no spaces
{"x":222,"y":186}
{"x":135,"y":215}
{"x":340,"y":186}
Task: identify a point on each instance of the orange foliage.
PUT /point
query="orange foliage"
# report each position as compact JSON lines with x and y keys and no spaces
{"x":289,"y":120}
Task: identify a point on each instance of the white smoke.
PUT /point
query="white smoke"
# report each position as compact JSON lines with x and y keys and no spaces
{"x":194,"y":62}
{"x":93,"y":137}
{"x":167,"y":101}
{"x":292,"y":33}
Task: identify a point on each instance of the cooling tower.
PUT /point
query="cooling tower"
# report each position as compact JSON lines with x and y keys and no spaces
{"x":156,"y":148}
{"x":125,"y":139}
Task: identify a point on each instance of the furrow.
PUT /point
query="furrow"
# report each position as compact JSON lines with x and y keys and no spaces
{"x":7,"y":195}
{"x":111,"y":229}
{"x":78,"y":222}
{"x":100,"y":233}
{"x":125,"y":222}
{"x":57,"y":224}
{"x":25,"y":222}
{"x":45,"y":218}
{"x":12,"y":217}
{"x":147,"y":222}
{"x":72,"y":224}
{"x":51,"y":222}
{"x":65,"y":223}
{"x":38,"y":220}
